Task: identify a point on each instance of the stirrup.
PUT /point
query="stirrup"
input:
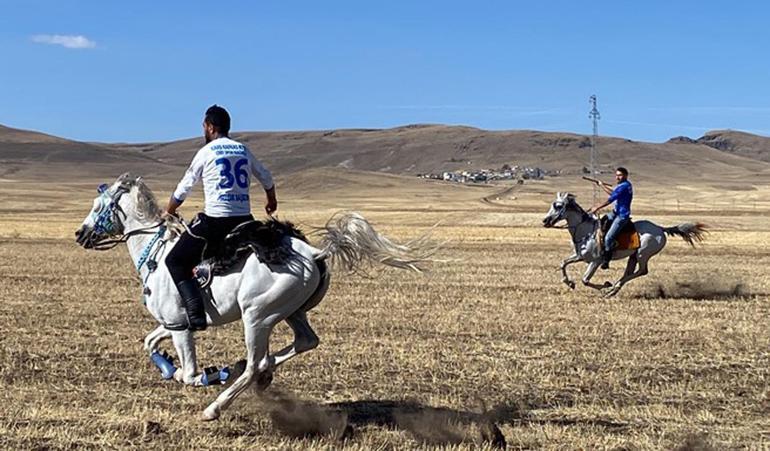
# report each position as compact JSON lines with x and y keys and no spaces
{"x":203,"y":274}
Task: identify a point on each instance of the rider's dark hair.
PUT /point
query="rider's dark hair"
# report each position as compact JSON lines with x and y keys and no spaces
{"x":622,"y":170}
{"x":218,"y":117}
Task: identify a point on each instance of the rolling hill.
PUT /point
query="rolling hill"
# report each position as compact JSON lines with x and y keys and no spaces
{"x":33,"y":155}
{"x":408,"y":150}
{"x":435,"y":148}
{"x":738,"y":143}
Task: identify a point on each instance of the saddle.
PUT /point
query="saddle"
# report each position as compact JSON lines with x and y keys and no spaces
{"x":627,"y":239}
{"x":268,"y":240}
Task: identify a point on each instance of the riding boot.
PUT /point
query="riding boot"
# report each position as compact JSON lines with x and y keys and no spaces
{"x":193,"y":304}
{"x":606,"y":257}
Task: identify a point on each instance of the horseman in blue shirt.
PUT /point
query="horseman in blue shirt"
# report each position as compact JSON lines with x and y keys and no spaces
{"x":621,"y":215}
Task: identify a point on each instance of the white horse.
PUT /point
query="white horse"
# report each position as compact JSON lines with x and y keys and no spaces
{"x":262,"y":295}
{"x":583,"y":227}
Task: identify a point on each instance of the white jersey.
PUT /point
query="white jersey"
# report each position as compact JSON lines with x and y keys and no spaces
{"x":225,"y":166}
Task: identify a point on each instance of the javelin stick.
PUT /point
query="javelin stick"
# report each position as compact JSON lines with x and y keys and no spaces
{"x":593,"y":180}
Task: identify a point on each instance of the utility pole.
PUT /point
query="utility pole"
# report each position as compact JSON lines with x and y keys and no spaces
{"x":594,"y":116}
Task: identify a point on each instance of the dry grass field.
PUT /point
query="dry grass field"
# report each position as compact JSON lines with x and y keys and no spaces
{"x":680,"y":358}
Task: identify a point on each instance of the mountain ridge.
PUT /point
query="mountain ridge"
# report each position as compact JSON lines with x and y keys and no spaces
{"x":412,"y":149}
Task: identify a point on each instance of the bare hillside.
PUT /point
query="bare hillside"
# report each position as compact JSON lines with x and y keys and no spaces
{"x":738,"y":143}
{"x":33,"y":155}
{"x":408,"y":150}
{"x":436,"y":148}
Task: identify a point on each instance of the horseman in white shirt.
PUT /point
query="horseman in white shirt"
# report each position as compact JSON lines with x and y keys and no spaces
{"x":225,"y":167}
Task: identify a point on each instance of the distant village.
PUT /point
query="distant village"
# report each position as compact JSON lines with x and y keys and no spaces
{"x":506,"y":172}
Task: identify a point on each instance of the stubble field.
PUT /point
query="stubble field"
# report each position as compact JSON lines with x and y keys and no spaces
{"x":488,"y":336}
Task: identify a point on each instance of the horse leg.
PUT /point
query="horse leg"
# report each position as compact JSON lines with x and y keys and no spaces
{"x":305,"y":338}
{"x":257,"y":334}
{"x":630,"y":275}
{"x":184,"y":342}
{"x":590,"y":271}
{"x":566,"y":262}
{"x":152,"y":339}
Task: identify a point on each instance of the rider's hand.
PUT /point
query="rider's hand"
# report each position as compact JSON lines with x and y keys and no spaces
{"x":166,"y":214}
{"x":270,"y":207}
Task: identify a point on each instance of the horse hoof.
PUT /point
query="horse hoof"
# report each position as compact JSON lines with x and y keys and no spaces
{"x":211,"y":413}
{"x":571,"y":285}
{"x":264,"y":379}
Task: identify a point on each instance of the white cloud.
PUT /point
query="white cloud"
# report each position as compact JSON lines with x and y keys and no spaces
{"x":64,"y":40}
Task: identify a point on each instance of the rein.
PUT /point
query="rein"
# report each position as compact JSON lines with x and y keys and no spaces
{"x":585,"y":217}
{"x":573,"y":230}
{"x":109,"y":244}
{"x":107,"y":222}
{"x":148,"y":255}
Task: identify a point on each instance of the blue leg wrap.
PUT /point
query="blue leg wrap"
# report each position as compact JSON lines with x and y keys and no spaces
{"x":164,"y":364}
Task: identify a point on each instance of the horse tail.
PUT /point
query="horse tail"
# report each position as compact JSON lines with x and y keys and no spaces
{"x":690,"y":232}
{"x":350,"y":240}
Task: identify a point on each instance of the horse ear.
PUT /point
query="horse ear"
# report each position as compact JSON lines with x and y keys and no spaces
{"x":123,"y":178}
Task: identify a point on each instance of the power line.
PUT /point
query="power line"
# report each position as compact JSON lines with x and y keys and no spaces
{"x":594,"y":116}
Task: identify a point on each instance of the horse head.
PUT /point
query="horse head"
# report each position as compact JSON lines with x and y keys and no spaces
{"x":107,"y":218}
{"x":559,"y":209}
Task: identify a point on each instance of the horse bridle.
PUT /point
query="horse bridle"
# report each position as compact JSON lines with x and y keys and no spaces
{"x":563,"y":209}
{"x":559,"y":214}
{"x":108,"y":223}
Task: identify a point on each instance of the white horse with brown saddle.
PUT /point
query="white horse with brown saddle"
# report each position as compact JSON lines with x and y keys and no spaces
{"x":583,"y":229}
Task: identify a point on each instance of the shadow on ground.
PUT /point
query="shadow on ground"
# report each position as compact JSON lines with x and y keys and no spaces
{"x":429,"y":425}
{"x":426,"y":424}
{"x":703,"y":291}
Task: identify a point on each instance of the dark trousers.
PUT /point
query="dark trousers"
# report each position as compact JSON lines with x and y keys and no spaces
{"x":188,"y":251}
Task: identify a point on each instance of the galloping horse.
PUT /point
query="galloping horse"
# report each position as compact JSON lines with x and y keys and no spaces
{"x":260,"y":294}
{"x":583,"y":227}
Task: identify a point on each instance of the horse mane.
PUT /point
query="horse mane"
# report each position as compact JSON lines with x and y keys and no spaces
{"x":146,"y":206}
{"x":571,"y":201}
{"x":144,"y":202}
{"x":571,"y":198}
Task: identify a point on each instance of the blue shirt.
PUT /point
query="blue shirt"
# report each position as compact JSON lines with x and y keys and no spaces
{"x":622,"y":196}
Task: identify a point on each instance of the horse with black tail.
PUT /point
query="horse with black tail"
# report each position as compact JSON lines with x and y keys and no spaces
{"x":282,"y":279}
{"x":584,"y":230}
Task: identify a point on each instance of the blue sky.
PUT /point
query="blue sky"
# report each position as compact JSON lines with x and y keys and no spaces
{"x":145,"y":71}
